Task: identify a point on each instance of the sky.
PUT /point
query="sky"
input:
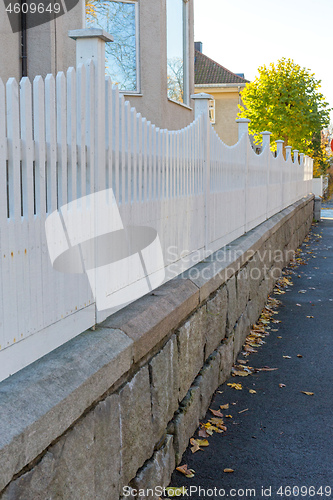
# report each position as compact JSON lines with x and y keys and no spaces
{"x":242,"y":35}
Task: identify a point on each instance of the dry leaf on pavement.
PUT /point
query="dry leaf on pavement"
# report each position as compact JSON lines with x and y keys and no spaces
{"x":308,"y":393}
{"x":238,"y":387}
{"x":185,"y":470}
{"x":216,"y":413}
{"x":228,"y":470}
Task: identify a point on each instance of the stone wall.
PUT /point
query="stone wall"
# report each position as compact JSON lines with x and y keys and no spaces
{"x":117,"y":406}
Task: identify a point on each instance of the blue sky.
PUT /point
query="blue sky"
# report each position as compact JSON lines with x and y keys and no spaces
{"x":245,"y":34}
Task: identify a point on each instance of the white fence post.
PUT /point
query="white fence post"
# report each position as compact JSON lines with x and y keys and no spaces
{"x":90,"y":44}
{"x":201,"y":107}
{"x":266,"y":139}
{"x":279,"y":147}
{"x":243,"y":127}
{"x":288,"y":152}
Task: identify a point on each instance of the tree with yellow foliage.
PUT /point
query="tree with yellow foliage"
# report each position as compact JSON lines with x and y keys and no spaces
{"x":285,"y":99}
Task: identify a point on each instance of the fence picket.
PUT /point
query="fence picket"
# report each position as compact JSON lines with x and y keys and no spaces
{"x":61,"y":139}
{"x":71,"y":135}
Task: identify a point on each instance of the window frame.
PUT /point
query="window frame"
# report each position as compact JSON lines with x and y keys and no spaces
{"x":186,"y":55}
{"x":137,"y":45}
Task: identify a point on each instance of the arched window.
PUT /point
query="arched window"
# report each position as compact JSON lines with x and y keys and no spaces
{"x":120,"y":19}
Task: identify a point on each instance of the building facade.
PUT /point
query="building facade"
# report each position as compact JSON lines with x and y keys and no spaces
{"x":225,"y":87}
{"x":154,"y":42}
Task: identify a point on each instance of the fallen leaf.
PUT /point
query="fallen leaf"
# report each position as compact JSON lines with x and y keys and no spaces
{"x":186,"y":471}
{"x":308,"y":393}
{"x":224,"y":407}
{"x":228,"y":416}
{"x":286,"y":357}
{"x":310,"y":316}
{"x":299,"y":356}
{"x":176,"y":491}
{"x":228,"y":470}
{"x":203,"y":433}
{"x":238,"y":387}
{"x":279,"y":337}
{"x":299,"y":305}
{"x":237,"y":373}
{"x":252,"y":391}
{"x":242,"y":361}
{"x":249,"y":349}
{"x":201,"y":442}
{"x":282,"y":385}
{"x":195,"y":447}
{"x":217,"y":413}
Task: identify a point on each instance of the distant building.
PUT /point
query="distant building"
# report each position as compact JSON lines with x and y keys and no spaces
{"x":225,"y":86}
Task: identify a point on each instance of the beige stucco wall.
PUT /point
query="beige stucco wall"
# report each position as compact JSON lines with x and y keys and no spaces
{"x":226,"y":109}
{"x":10,"y":63}
{"x":51,"y":50}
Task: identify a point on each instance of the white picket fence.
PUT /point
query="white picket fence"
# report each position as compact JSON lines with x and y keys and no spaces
{"x":196,"y":193}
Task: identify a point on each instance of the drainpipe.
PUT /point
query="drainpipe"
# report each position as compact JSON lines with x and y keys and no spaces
{"x":24,"y":61}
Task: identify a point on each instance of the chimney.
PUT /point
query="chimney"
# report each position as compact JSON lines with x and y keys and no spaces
{"x":198,"y":46}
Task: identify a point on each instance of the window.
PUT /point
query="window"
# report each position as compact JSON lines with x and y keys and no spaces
{"x":120,"y":19}
{"x":211,"y":111}
{"x":177,"y":50}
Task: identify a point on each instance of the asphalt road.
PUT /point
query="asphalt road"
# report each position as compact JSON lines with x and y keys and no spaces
{"x":283,"y":438}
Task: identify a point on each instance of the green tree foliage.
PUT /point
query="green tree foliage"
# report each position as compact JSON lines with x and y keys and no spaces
{"x":285,"y":99}
{"x":320,"y":151}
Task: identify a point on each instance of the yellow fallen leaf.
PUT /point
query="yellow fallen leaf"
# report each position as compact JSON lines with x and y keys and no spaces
{"x":238,"y":387}
{"x":185,"y":470}
{"x":228,"y":416}
{"x":202,"y":442}
{"x":228,"y":470}
{"x":282,"y":385}
{"x":299,"y":356}
{"x":252,"y":391}
{"x":176,"y":491}
{"x":224,"y":407}
{"x":195,"y":446}
{"x":308,"y":393}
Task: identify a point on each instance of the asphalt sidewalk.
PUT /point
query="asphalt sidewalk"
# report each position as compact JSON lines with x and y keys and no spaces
{"x":279,"y":441}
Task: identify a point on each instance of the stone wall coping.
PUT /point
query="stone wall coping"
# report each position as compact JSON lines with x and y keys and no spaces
{"x":148,"y":320}
{"x":39,"y":403}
